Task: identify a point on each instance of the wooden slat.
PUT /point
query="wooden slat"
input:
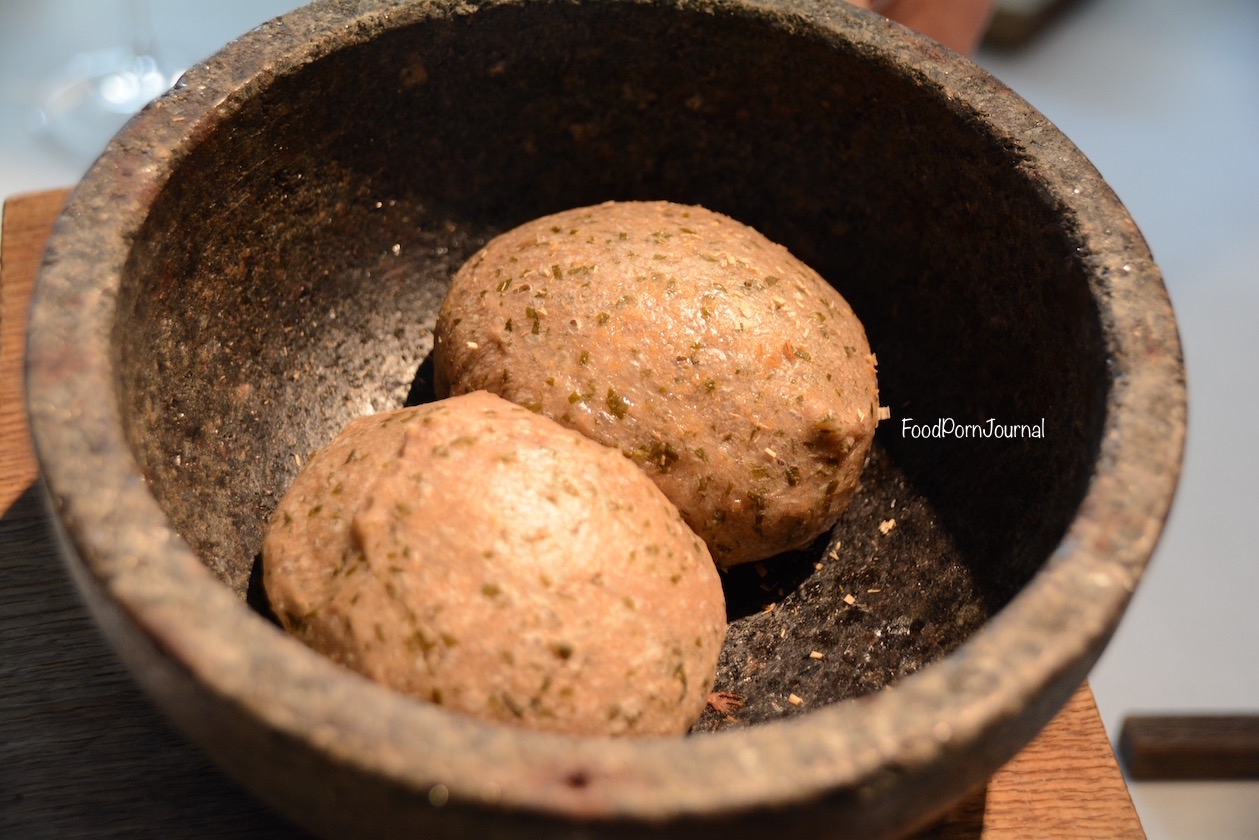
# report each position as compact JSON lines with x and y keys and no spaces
{"x":1066,"y":783}
{"x":26,"y":224}
{"x":1184,"y":747}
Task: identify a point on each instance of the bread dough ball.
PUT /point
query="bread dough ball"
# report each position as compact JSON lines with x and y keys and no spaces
{"x":733,"y":374}
{"x":477,"y":555}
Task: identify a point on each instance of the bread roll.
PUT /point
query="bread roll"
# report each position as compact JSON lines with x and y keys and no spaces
{"x":474,"y":554}
{"x":729,"y":371}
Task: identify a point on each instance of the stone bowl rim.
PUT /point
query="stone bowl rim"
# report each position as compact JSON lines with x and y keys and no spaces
{"x":155,"y":581}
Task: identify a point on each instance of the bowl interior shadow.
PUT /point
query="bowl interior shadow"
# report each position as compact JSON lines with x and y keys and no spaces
{"x":289,"y":274}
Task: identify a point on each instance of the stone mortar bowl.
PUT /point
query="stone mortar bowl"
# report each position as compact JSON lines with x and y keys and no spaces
{"x":258,"y":257}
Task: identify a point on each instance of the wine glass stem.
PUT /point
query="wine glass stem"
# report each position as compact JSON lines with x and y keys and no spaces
{"x":141,"y":27}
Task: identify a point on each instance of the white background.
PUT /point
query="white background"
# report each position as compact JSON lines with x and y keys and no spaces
{"x":1163,"y":97}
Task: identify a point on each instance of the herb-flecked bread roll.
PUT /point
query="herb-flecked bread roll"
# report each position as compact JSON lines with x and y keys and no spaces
{"x":474,"y":554}
{"x":734,"y":375}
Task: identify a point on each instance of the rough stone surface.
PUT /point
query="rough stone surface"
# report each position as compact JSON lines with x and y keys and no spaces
{"x":259,"y":256}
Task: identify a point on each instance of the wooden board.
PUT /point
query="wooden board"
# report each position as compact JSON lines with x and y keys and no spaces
{"x":83,"y":753}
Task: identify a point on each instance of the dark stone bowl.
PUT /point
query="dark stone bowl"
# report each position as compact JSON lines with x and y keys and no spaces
{"x":258,"y":257}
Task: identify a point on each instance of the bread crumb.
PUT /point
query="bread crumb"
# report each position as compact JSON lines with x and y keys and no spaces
{"x":849,"y":599}
{"x":794,"y":700}
{"x":472,"y":345}
{"x":816,"y":654}
{"x":725,"y":702}
{"x":886,"y":525}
